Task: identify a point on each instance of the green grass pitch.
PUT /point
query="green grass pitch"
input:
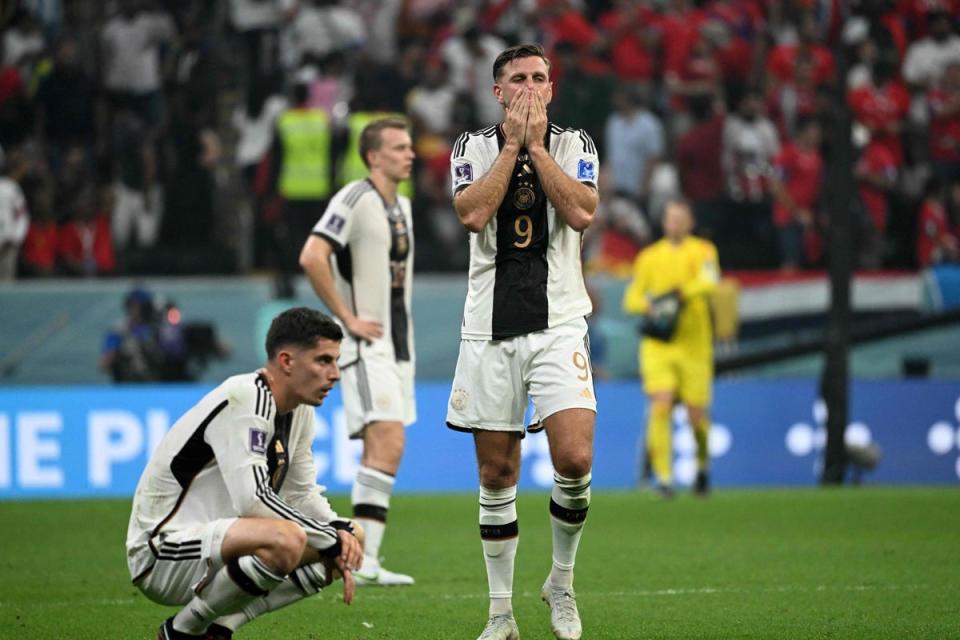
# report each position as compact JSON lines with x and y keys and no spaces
{"x":813,"y":563}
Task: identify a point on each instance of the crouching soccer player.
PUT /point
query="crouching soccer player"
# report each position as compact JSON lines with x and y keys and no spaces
{"x":227,"y":518}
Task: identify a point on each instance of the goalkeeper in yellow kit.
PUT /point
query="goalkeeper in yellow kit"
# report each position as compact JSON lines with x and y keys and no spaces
{"x":673,"y":280}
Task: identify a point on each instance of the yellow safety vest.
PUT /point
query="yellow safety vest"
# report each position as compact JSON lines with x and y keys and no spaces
{"x":351,"y":165}
{"x":305,"y":134}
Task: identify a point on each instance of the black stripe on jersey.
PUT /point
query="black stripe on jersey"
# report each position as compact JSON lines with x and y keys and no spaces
{"x":194,"y":455}
{"x":278,"y":449}
{"x":273,"y":502}
{"x":586,"y":142}
{"x":520,"y":304}
{"x":344,"y":260}
{"x":265,"y":403}
{"x":460,"y":146}
{"x":356,"y":192}
{"x":333,"y":241}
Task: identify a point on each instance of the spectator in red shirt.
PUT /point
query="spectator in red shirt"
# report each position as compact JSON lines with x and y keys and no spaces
{"x":698,"y":163}
{"x":783,"y":58}
{"x":789,"y":102}
{"x":944,"y":104}
{"x":936,"y":241}
{"x":38,"y":255}
{"x":876,"y":175}
{"x":798,"y":171}
{"x":679,"y":29}
{"x":85,"y":244}
{"x":629,"y":39}
{"x":882,"y":105}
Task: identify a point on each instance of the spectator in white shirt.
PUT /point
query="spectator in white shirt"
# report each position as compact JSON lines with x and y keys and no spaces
{"x":14,"y":217}
{"x":927,"y":59}
{"x":131,"y":46}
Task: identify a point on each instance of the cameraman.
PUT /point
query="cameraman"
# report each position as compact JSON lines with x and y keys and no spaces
{"x":673,"y":280}
{"x":131,"y":351}
{"x":152,"y":343}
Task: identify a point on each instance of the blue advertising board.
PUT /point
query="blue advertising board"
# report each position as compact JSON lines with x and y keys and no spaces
{"x":94,"y":441}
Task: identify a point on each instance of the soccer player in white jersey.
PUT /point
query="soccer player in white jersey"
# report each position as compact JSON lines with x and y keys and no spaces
{"x":227,"y":518}
{"x":526,"y":190}
{"x":368,"y":231}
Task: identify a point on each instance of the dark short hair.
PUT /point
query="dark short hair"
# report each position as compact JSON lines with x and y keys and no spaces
{"x":515,"y":53}
{"x":371,"y":138}
{"x":301,"y":327}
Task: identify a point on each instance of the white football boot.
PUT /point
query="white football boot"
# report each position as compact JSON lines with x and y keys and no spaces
{"x":564,"y":617}
{"x":501,"y":627}
{"x":372,"y":574}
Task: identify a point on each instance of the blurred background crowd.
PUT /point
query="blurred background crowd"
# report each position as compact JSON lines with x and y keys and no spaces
{"x":140,"y":137}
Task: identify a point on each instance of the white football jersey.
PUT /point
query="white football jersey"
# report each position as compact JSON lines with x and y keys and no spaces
{"x":230,"y":455}
{"x":525,"y":268}
{"x":373,"y":265}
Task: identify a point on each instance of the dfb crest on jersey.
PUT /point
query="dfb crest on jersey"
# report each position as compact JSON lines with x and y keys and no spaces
{"x":335,"y":223}
{"x":258,"y":441}
{"x":463,"y":173}
{"x":586,"y":170}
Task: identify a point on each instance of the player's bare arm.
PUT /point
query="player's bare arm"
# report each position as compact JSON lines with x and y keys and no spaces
{"x":479,"y":202}
{"x":575,"y":202}
{"x":315,"y":261}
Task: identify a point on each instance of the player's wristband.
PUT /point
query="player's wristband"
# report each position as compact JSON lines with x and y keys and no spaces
{"x":342,"y":525}
{"x":333,"y":550}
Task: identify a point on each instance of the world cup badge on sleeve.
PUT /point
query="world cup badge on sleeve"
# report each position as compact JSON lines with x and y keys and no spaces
{"x":335,"y":223}
{"x":586,"y":170}
{"x":258,"y":441}
{"x":463,"y":173}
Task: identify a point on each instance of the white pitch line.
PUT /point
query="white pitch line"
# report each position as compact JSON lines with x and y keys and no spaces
{"x":639,"y":593}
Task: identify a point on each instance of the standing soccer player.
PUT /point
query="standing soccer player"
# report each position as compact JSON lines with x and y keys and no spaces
{"x":526,"y":190}
{"x":227,"y":518}
{"x":677,"y":361}
{"x":368,"y":229}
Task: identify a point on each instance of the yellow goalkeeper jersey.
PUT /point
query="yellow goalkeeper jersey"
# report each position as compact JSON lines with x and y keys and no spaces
{"x":691,"y":268}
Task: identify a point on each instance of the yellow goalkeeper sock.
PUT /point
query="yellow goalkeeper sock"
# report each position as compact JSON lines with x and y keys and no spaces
{"x":701,"y":433}
{"x":658,"y":442}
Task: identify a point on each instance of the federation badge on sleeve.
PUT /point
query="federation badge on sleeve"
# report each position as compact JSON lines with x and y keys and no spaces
{"x":586,"y":170}
{"x":463,"y":173}
{"x":258,"y":441}
{"x":335,"y":223}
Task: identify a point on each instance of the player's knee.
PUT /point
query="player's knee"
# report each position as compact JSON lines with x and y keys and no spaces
{"x":660,"y":409}
{"x":498,"y":475}
{"x":576,"y":465}
{"x":287,"y":547}
{"x":698,"y":418}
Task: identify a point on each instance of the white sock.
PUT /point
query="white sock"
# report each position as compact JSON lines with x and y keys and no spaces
{"x":231,"y":588}
{"x":499,"y":535}
{"x":302,"y":583}
{"x":371,"y":501}
{"x":569,"y":502}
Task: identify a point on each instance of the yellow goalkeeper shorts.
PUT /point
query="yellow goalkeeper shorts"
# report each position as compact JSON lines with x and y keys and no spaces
{"x":671,"y":370}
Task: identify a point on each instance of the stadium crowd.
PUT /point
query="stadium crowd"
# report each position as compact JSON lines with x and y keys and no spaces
{"x":138,"y":135}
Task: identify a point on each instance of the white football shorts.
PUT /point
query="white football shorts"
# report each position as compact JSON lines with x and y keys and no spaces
{"x":185,"y":558}
{"x":495,"y":378}
{"x":377,"y":388}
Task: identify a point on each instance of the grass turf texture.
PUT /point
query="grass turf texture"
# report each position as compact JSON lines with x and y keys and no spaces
{"x":848,"y":563}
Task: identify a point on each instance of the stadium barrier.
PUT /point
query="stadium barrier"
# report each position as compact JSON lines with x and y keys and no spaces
{"x":71,"y":442}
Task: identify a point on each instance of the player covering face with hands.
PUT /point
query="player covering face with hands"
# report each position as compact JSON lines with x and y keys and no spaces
{"x":526,"y":189}
{"x":227,"y":518}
